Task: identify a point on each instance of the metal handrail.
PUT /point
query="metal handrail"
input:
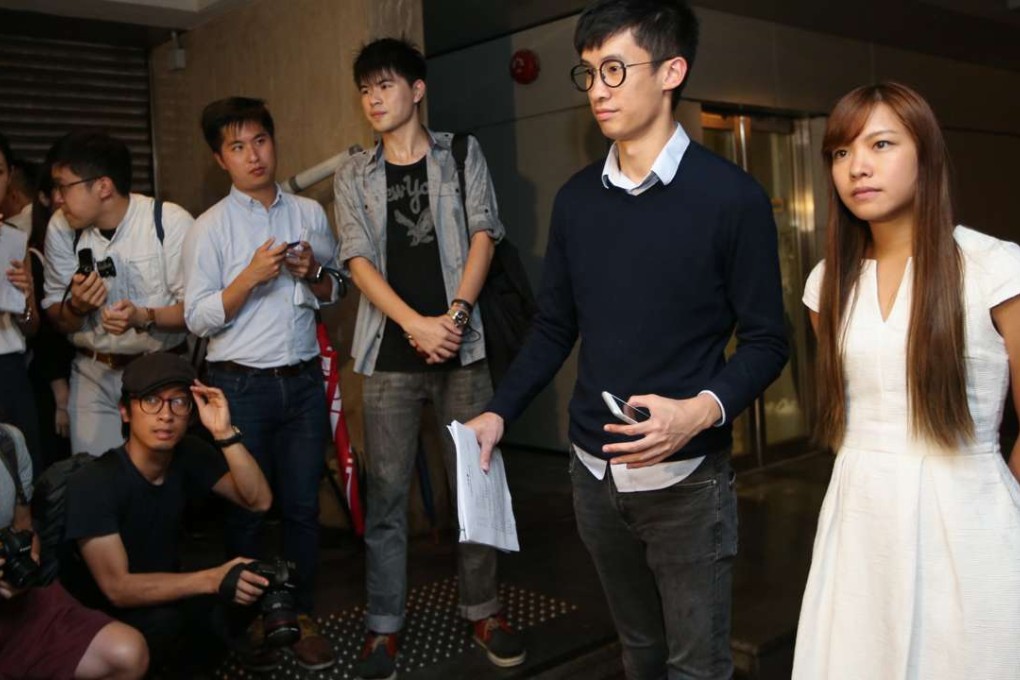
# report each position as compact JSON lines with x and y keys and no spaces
{"x":317,"y":173}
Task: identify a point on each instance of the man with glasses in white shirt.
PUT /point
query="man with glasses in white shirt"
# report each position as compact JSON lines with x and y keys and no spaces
{"x":114,"y":281}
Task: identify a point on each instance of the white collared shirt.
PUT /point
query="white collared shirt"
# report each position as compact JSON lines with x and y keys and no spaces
{"x":23,"y":220}
{"x":148,"y":273}
{"x":651,"y":478}
{"x":663,"y":169}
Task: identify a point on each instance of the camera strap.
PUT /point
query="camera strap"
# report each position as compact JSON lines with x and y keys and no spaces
{"x":9,"y":454}
{"x":228,"y":586}
{"x":459,"y":148}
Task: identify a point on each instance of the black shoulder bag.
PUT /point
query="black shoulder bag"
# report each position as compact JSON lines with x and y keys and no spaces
{"x":506,"y":302}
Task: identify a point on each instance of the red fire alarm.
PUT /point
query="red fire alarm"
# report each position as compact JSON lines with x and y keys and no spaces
{"x":524,"y":67}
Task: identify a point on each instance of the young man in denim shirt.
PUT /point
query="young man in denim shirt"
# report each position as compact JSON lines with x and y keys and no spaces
{"x":420,"y":264}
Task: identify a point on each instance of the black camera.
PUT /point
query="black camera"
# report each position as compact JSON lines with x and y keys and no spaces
{"x":278,"y":607}
{"x":19,"y":569}
{"x":87,"y":263}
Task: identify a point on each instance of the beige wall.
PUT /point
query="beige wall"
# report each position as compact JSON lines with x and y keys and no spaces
{"x":297,"y":55}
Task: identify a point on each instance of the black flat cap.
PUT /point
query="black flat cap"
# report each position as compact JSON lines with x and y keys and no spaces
{"x":152,"y":372}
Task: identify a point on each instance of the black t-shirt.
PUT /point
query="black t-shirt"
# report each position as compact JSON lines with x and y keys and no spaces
{"x":413,"y":268}
{"x":110,"y":496}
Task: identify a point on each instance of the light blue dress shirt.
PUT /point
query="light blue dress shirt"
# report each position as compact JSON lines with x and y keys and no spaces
{"x":276,"y":325}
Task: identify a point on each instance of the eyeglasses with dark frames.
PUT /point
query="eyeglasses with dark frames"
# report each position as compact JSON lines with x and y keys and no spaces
{"x":612,"y":72}
{"x":153,"y":404}
{"x":61,"y":188}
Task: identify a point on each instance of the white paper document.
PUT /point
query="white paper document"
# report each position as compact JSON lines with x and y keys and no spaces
{"x":484,"y":510}
{"x":13,"y":246}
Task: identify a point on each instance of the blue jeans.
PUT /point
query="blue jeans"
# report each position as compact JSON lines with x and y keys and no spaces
{"x":285,"y":426}
{"x":393,"y":407}
{"x":665,"y":560}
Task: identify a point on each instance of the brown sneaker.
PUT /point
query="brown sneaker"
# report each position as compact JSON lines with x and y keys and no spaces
{"x":313,"y":651}
{"x":502,"y":643}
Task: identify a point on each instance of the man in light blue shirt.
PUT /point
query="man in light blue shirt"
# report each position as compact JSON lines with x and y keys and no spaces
{"x":254,"y":269}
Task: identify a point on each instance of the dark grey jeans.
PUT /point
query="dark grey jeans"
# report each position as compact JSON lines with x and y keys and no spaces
{"x":665,"y":560}
{"x":393,"y":407}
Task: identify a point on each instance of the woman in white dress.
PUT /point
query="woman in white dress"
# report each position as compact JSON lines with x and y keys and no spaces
{"x":916,"y":564}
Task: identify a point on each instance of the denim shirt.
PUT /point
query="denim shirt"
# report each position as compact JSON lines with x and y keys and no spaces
{"x":359,"y":188}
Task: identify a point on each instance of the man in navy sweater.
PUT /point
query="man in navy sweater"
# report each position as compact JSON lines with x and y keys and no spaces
{"x":655,"y":256}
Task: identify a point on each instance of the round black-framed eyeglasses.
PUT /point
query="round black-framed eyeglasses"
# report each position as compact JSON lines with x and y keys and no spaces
{"x":612,"y":72}
{"x":153,"y":404}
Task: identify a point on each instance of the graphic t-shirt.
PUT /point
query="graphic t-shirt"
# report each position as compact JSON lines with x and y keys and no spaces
{"x":413,"y":267}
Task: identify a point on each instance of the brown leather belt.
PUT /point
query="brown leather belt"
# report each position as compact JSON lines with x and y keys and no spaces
{"x":276,"y":371}
{"x":120,"y":361}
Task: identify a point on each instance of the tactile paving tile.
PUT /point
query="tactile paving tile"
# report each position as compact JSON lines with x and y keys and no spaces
{"x":433,"y":631}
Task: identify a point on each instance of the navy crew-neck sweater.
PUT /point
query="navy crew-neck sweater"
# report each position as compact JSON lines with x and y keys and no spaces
{"x":654,"y":286}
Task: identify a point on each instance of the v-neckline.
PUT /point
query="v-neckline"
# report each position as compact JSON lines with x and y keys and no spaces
{"x":899,"y":289}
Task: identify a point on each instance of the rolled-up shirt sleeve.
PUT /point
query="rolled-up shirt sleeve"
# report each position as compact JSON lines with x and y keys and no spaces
{"x":177,"y":225}
{"x":482,"y":211}
{"x":203,"y":283}
{"x":350,"y":218}
{"x":60,"y":262}
{"x":323,"y":244}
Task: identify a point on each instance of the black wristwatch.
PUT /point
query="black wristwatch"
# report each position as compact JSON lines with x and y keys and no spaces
{"x":231,"y":440}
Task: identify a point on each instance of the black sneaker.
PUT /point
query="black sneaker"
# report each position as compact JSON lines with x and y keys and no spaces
{"x":254,"y":655}
{"x":502,"y":643}
{"x":261,"y":659}
{"x":378,"y":659}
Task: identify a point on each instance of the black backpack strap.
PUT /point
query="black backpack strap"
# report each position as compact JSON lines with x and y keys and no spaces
{"x":459,"y":147}
{"x":157,"y":216}
{"x":10,"y":457}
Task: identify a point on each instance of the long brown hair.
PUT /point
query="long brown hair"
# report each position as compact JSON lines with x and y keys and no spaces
{"x":936,"y":374}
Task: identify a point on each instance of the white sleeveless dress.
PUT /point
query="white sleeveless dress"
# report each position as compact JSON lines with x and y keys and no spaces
{"x":915,"y":572}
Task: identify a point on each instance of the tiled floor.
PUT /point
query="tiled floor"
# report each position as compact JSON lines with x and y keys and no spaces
{"x":551,"y":589}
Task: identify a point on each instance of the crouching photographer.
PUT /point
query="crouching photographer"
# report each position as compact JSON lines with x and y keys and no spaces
{"x":44,"y":632}
{"x":123,"y":520}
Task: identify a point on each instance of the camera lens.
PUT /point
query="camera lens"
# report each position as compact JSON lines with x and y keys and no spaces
{"x":19,"y":569}
{"x":279,"y":609}
{"x":279,"y":618}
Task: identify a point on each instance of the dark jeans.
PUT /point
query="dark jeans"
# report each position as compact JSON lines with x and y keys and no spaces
{"x":191,"y":634}
{"x":393,"y":407}
{"x":665,"y":560}
{"x":52,"y":447}
{"x":17,"y":405}
{"x":285,"y":425}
